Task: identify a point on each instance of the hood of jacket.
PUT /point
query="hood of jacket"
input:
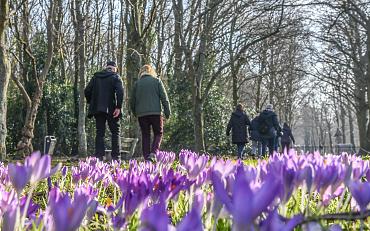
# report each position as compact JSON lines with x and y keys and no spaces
{"x":267,"y":113}
{"x":104,"y":74}
{"x":238,"y":113}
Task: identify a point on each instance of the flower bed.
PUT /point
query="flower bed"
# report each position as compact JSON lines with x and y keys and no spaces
{"x":195,"y":192}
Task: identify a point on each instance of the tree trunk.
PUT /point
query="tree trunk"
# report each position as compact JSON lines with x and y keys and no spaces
{"x":367,"y":78}
{"x":25,"y":145}
{"x":133,"y":64}
{"x":361,"y":114}
{"x":138,"y":46}
{"x":4,"y":76}
{"x":343,"y":121}
{"x":80,"y":37}
{"x":351,"y":127}
{"x":198,"y":125}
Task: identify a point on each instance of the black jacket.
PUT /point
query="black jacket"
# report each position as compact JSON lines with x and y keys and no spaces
{"x":255,"y":135}
{"x":287,"y":136}
{"x":270,"y":118}
{"x":238,"y":125}
{"x":104,"y":93}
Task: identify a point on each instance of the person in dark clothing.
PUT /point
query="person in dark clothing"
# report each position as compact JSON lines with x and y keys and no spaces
{"x":255,"y":137}
{"x":268,"y":128}
{"x":104,"y":94}
{"x":286,"y":138}
{"x":238,"y":125}
{"x":148,"y":100}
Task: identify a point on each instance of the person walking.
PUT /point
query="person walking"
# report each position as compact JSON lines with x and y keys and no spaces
{"x":148,"y":100}
{"x":238,"y":125}
{"x":287,"y":138}
{"x":104,"y":94}
{"x":268,"y":127}
{"x":255,"y":137}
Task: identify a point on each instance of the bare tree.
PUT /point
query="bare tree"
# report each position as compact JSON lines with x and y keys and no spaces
{"x":5,"y":76}
{"x":33,"y":100}
{"x":79,"y":21}
{"x":346,"y":35}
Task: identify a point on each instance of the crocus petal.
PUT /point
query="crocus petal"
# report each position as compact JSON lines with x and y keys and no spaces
{"x":361,"y":193}
{"x":242,"y":212}
{"x":335,"y":227}
{"x":265,"y":196}
{"x":32,"y":207}
{"x":41,"y":169}
{"x":293,"y":222}
{"x":19,"y":176}
{"x":155,"y":218}
{"x":191,"y":222}
{"x":62,"y":213}
{"x":220,"y":191}
{"x":9,"y":218}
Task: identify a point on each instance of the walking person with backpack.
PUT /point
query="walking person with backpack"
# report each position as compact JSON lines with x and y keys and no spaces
{"x":287,"y":138}
{"x":255,"y":137}
{"x":238,"y":126}
{"x":268,"y":127}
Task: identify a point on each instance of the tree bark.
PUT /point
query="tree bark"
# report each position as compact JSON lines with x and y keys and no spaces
{"x":343,"y":122}
{"x":4,"y":76}
{"x":351,"y":127}
{"x":80,"y":37}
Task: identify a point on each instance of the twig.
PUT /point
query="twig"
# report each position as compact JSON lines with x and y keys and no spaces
{"x":350,"y":216}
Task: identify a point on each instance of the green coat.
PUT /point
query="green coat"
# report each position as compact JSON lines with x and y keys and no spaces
{"x":148,"y":97}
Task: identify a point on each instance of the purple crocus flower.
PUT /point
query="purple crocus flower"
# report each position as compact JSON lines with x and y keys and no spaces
{"x":275,"y":222}
{"x":35,"y":168}
{"x":361,"y":193}
{"x":244,"y":211}
{"x":335,"y":227}
{"x":155,"y":218}
{"x":41,"y":166}
{"x":32,"y":207}
{"x":19,"y":176}
{"x":64,"y":170}
{"x":191,"y":222}
{"x":9,"y":217}
{"x":165,"y":158}
{"x":118,"y":222}
{"x":68,"y":215}
{"x":193,"y":163}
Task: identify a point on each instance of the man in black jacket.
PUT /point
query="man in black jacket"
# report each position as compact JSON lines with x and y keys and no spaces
{"x":104,"y":94}
{"x":268,"y":127}
{"x":238,"y":125}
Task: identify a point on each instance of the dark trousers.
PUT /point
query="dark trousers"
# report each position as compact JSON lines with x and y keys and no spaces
{"x":146,"y":123}
{"x":285,"y":145}
{"x":240,"y":149}
{"x":270,"y":143}
{"x":114,"y":127}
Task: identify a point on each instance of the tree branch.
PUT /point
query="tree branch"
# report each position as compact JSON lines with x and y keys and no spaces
{"x":350,"y":216}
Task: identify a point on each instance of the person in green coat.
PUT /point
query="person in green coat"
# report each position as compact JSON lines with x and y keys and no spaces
{"x":148,"y":102}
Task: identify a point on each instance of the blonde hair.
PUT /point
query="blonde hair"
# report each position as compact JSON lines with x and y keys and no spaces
{"x":147,"y":70}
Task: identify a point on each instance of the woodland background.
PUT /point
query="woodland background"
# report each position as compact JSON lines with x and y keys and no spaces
{"x":310,"y":59}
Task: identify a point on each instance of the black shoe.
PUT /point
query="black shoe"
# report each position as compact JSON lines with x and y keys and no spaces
{"x":151,"y":158}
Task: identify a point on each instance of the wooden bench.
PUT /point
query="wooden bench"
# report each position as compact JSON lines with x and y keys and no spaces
{"x":128,"y":146}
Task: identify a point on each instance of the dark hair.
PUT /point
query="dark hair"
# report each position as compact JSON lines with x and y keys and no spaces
{"x":285,"y":125}
{"x":239,"y":107}
{"x":111,"y":63}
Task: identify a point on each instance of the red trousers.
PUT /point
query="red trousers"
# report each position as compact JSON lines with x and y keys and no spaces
{"x":146,"y":123}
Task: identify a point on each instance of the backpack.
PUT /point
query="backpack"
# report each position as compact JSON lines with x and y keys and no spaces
{"x":263,"y":126}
